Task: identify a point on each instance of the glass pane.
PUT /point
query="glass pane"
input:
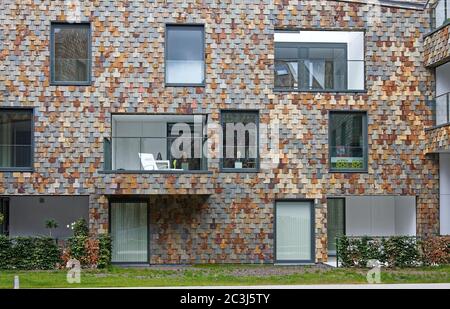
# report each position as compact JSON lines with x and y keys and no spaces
{"x":240,"y":140}
{"x":335,"y":222}
{"x":440,"y":13}
{"x":185,"y":55}
{"x":293,"y":231}
{"x":126,"y":153}
{"x":286,"y":52}
{"x":15,"y":138}
{"x":184,"y":147}
{"x":286,"y":74}
{"x":129,"y":232}
{"x":71,"y":53}
{"x":347,"y":141}
{"x":355,"y":75}
{"x":441,"y":110}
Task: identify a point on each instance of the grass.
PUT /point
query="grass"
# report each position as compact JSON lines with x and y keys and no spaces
{"x":210,"y":275}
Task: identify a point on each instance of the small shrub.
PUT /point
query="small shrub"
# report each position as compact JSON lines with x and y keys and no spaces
{"x":401,"y":251}
{"x":5,"y":252}
{"x":105,"y":247}
{"x":435,"y":250}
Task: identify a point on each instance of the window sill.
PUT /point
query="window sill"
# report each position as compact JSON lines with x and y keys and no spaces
{"x":202,"y":85}
{"x":17,"y":170}
{"x":79,"y":84}
{"x":239,"y":170}
{"x":362,"y":91}
{"x":365,"y":171}
{"x":154,"y":172}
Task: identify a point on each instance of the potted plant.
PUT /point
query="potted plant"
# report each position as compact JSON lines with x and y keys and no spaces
{"x":238,"y":162}
{"x":51,"y":224}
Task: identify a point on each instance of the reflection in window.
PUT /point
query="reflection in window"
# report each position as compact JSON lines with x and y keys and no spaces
{"x":185,"y":55}
{"x":70,"y":53}
{"x":15,"y":138}
{"x":240,"y":140}
{"x":300,"y":67}
{"x":348,"y":141}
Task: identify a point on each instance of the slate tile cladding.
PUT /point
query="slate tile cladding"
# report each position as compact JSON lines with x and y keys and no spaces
{"x":437,"y":47}
{"x":128,"y":77}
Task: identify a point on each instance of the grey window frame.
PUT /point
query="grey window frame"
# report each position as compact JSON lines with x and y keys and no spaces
{"x":300,"y":45}
{"x":52,"y":54}
{"x":166,"y":49}
{"x":365,"y":144}
{"x":313,"y":231}
{"x":31,"y":167}
{"x":239,"y":170}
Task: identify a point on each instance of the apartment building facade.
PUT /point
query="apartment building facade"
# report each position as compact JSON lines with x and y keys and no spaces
{"x":341,"y":104}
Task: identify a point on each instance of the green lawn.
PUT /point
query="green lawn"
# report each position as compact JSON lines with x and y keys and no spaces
{"x":206,"y":275}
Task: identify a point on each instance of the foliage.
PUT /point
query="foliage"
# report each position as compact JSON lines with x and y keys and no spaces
{"x":436,"y":250}
{"x":51,"y":224}
{"x":395,"y":251}
{"x":28,"y":253}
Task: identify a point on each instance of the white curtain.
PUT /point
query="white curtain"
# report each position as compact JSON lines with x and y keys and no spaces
{"x":129,"y":226}
{"x":293,"y":231}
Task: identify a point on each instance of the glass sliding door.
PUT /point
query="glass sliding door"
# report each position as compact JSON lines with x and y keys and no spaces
{"x":336,"y":222}
{"x":129,"y":232}
{"x":294,"y":232}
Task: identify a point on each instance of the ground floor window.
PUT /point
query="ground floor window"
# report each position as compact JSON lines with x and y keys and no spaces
{"x":294,"y":231}
{"x":4,"y":211}
{"x":129,"y":231}
{"x":335,"y":222}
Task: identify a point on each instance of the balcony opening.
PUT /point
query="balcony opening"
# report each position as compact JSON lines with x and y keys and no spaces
{"x":155,"y":143}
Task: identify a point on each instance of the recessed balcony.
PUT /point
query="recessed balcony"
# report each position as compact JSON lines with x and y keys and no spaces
{"x":156,"y":144}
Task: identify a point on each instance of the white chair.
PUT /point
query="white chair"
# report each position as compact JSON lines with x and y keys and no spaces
{"x":149,"y":163}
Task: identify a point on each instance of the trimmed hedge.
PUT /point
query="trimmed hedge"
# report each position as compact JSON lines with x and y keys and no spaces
{"x":29,"y":253}
{"x":395,"y":251}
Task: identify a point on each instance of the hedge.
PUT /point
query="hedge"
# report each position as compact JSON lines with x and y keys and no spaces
{"x":29,"y":253}
{"x":395,"y":251}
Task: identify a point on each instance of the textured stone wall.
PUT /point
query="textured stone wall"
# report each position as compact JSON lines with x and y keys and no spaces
{"x":128,"y":77}
{"x":438,"y":140}
{"x":437,"y":47}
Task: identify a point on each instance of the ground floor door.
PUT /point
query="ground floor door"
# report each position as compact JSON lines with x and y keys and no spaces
{"x":129,"y":231}
{"x":294,"y":228}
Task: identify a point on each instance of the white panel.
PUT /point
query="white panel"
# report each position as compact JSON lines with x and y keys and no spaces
{"x":443,"y":79}
{"x":383,"y":216}
{"x":293,"y":231}
{"x":185,"y":72}
{"x":355,"y":76}
{"x":444,"y":186}
{"x":405,"y":215}
{"x":358,"y":216}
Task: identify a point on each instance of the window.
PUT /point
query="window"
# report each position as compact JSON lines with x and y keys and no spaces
{"x":319,"y":61}
{"x":441,"y":13}
{"x":16,"y":136}
{"x":185,"y":55}
{"x":335,"y":222}
{"x":348,"y":141}
{"x":294,"y":231}
{"x":240,"y":140}
{"x":70,"y":54}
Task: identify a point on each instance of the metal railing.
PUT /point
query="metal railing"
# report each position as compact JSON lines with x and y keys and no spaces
{"x":441,"y":109}
{"x":440,"y":13}
{"x":155,"y":154}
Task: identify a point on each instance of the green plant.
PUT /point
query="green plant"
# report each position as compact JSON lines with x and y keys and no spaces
{"x":80,"y":228}
{"x":105,"y":247}
{"x":51,"y":224}
{"x":2,"y":218}
{"x":28,"y":253}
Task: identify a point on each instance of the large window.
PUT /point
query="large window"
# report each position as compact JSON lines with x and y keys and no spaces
{"x":294,"y":230}
{"x":441,"y":13}
{"x":16,"y":139}
{"x":319,"y":61}
{"x":129,"y":231}
{"x":240,"y":140}
{"x":442,"y":109}
{"x":185,"y":55}
{"x":348,"y":141}
{"x":70,"y":54}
